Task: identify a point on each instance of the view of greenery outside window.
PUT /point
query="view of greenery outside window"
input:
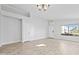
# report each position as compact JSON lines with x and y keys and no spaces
{"x":70,"y":29}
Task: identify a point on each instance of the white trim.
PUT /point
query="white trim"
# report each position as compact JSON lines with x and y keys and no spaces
{"x":34,"y":39}
{"x":9,"y":42}
{"x":0,"y":45}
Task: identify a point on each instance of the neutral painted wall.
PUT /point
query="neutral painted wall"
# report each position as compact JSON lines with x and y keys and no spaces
{"x":57,"y":29}
{"x":10,"y":14}
{"x":34,"y":29}
{"x":11,"y":30}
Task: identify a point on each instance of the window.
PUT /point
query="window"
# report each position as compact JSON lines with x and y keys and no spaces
{"x":70,"y":29}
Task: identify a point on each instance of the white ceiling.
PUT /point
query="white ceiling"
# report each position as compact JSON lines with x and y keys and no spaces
{"x":55,"y":11}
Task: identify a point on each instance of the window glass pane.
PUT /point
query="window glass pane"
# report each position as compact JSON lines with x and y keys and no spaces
{"x":70,"y":29}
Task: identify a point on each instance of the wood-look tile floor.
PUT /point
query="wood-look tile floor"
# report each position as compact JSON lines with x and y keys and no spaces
{"x":42,"y":47}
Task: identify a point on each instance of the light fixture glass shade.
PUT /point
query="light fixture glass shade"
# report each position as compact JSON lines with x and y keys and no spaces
{"x":42,"y":6}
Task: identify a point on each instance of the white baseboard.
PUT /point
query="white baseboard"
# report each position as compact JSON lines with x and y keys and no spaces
{"x":9,"y":42}
{"x":0,"y":45}
{"x":5,"y":43}
{"x":34,"y":39}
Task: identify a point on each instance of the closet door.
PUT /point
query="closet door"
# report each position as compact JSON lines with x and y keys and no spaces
{"x":0,"y":30}
{"x":0,"y":26}
{"x":26,"y":27}
{"x":11,"y":30}
{"x":51,"y":29}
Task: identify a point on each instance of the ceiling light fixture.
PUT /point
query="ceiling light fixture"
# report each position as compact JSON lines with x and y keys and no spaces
{"x":43,"y":7}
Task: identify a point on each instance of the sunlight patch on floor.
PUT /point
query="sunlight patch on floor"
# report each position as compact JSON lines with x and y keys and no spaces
{"x":41,"y":45}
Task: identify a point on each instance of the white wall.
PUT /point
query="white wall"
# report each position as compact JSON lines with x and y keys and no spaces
{"x":57,"y":29}
{"x":34,"y":29}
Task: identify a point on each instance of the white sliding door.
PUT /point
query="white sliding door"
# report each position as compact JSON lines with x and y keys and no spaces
{"x":11,"y":30}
